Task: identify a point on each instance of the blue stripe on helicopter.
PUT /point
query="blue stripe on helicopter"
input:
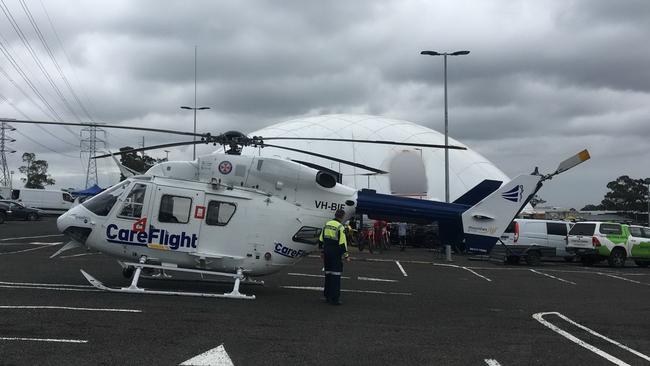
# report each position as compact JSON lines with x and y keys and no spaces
{"x":514,"y":194}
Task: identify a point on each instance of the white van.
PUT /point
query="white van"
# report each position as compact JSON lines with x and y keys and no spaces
{"x":533,"y":239}
{"x":47,"y":200}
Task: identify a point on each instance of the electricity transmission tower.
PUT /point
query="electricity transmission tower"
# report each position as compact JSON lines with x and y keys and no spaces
{"x":5,"y":174}
{"x":89,"y":144}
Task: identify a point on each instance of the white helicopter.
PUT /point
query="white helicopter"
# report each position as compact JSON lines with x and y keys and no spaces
{"x":240,"y":217}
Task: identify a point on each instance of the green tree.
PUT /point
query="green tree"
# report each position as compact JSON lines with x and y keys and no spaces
{"x":35,"y":172}
{"x":139,"y":163}
{"x":626,"y":194}
{"x":592,"y":207}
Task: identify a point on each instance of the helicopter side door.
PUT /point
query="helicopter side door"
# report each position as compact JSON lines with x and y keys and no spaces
{"x":176,"y":216}
{"x":222,"y":228}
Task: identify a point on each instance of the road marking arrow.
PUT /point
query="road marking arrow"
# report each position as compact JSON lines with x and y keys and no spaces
{"x":214,"y":357}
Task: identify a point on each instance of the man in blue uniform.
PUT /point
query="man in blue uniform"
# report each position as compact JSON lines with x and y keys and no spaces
{"x":334,"y":247}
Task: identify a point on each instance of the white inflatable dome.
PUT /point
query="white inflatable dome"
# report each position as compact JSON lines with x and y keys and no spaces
{"x":466,"y":167}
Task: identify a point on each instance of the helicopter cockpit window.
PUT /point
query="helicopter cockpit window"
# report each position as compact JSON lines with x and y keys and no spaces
{"x":132,"y":206}
{"x":220,"y":213}
{"x":174,"y":209}
{"x":102,"y":203}
{"x":307,"y":235}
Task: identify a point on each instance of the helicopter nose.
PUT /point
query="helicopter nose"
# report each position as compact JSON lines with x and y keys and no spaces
{"x":75,"y":224}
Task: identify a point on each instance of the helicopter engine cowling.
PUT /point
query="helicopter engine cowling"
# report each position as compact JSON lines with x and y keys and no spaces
{"x":282,"y":178}
{"x":187,"y":170}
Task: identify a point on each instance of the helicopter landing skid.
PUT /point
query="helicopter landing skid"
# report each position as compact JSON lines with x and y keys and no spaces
{"x":134,"y":289}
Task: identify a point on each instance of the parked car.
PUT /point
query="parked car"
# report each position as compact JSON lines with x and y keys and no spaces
{"x":533,"y":239}
{"x":597,"y":241}
{"x":10,"y":210}
{"x":638,"y":245}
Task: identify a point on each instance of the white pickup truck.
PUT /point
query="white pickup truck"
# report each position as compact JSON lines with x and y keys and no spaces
{"x":639,"y":245}
{"x":597,"y":241}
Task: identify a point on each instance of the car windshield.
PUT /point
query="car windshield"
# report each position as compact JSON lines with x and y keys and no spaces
{"x":636,"y":231}
{"x":583,"y":229}
{"x":102,"y":203}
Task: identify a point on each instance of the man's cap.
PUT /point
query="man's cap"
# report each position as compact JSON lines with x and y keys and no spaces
{"x":339,"y":213}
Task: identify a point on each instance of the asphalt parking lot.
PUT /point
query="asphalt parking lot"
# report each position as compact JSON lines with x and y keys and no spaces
{"x":400,"y":308}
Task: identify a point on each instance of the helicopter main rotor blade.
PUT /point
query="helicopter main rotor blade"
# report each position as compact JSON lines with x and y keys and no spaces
{"x":451,"y":147}
{"x":100,"y":125}
{"x":358,"y":165}
{"x":152,"y":147}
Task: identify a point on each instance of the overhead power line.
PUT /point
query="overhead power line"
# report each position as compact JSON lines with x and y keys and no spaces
{"x":36,"y":59}
{"x":52,"y":57}
{"x":4,"y":99}
{"x":43,"y":146}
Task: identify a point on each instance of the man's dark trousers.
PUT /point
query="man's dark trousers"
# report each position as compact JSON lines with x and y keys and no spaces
{"x":333,"y":270}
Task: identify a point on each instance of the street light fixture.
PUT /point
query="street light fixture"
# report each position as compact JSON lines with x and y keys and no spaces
{"x":194,"y":137}
{"x":445,"y":54}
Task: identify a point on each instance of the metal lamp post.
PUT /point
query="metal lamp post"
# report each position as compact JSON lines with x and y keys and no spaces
{"x":194,"y":108}
{"x":445,"y":54}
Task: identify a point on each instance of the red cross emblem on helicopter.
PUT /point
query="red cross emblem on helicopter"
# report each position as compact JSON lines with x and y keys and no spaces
{"x":225,"y":167}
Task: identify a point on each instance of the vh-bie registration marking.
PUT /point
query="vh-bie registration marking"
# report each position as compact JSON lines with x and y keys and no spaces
{"x":332,"y":206}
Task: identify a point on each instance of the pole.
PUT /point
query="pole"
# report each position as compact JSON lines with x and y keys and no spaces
{"x":448,"y":245}
{"x":194,"y":137}
{"x":446,"y":137}
{"x":648,"y":204}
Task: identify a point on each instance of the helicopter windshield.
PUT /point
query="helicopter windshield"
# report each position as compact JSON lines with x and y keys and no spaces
{"x":102,"y":203}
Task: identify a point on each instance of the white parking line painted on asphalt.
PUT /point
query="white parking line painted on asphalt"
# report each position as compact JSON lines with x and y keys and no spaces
{"x":7,"y":244}
{"x":374,"y":279}
{"x":553,"y":277}
{"x":42,"y":340}
{"x":401,"y":268}
{"x":312,"y":275}
{"x":25,"y":250}
{"x":50,"y":288}
{"x":31,"y":237}
{"x":621,"y":278}
{"x":78,"y":255}
{"x":315,"y":288}
{"x":44,"y":284}
{"x":492,"y":362}
{"x":214,"y":357}
{"x":461,"y":267}
{"x":30,"y":307}
{"x":540,"y":318}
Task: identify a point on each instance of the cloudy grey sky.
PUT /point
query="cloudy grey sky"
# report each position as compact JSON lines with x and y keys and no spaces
{"x":544,"y":79}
